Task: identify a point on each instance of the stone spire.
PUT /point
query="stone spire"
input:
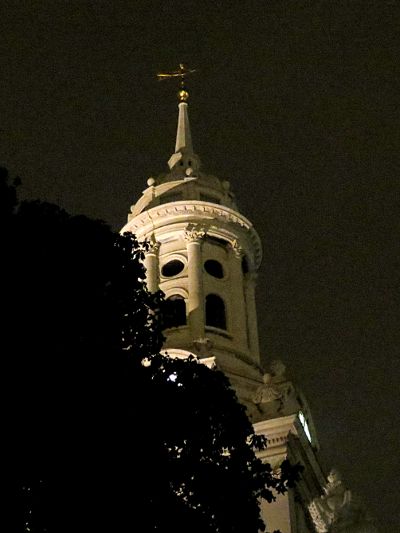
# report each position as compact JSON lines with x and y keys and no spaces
{"x":183,"y":135}
{"x":184,"y":162}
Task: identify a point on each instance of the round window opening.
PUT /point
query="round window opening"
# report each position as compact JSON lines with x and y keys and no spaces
{"x":172,"y":268}
{"x":214,"y":268}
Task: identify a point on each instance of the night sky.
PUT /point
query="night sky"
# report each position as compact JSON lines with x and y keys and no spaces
{"x":296,"y":103}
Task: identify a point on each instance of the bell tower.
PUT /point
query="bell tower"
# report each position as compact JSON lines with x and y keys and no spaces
{"x":204,"y":255}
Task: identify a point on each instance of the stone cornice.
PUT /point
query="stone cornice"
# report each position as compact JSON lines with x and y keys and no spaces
{"x":193,"y":211}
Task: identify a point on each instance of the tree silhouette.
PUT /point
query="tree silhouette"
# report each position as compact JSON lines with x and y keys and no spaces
{"x":103,"y":432}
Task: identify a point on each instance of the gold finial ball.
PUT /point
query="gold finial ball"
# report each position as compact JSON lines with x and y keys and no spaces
{"x":183,"y":95}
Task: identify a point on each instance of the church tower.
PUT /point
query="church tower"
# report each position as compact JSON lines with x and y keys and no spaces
{"x":204,"y":255}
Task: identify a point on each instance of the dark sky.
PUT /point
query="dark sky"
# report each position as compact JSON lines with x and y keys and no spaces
{"x":296,"y":102}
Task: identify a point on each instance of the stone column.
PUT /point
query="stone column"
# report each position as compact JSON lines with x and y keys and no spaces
{"x":250,"y":296}
{"x":152,"y":266}
{"x":194,"y":236}
{"x":238,"y":311}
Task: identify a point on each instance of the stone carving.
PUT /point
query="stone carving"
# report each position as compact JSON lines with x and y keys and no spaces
{"x":237,"y":249}
{"x":154,"y":245}
{"x":338,"y":510}
{"x":194,"y":232}
{"x":203,"y":347}
{"x":278,"y":370}
{"x":275,"y":385}
{"x":267,"y":392}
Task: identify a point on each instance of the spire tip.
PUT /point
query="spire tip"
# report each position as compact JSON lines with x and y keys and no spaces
{"x":183,"y":95}
{"x":181,"y":73}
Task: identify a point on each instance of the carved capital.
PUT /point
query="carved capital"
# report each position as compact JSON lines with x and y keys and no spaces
{"x":153,"y":247}
{"x":237,"y":249}
{"x":194,"y":233}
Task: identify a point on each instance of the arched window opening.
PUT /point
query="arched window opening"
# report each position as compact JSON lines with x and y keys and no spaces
{"x":174,"y":314}
{"x":215,"y":311}
{"x":214,"y":268}
{"x":216,"y":240}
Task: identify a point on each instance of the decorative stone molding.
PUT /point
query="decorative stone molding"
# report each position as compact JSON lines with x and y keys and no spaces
{"x":172,"y":291}
{"x":184,"y":354}
{"x":193,"y":210}
{"x":194,"y":233}
{"x":203,"y":346}
{"x":277,"y":440}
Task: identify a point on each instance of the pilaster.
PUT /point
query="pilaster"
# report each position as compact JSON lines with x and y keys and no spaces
{"x":250,"y":297}
{"x":194,"y":235}
{"x":238,"y":305}
{"x":151,"y":263}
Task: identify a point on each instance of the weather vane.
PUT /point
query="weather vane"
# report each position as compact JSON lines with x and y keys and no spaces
{"x":181,"y":73}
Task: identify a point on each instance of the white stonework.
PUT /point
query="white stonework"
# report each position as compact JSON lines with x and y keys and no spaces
{"x":339,"y":510}
{"x":205,"y":255}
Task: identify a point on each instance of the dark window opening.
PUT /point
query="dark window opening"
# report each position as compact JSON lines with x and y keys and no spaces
{"x":190,"y":163}
{"x":174,"y":312}
{"x":214,"y":268}
{"x":217,"y":240}
{"x":172,"y":268}
{"x":181,"y":163}
{"x":215,"y":312}
{"x":245,"y":265}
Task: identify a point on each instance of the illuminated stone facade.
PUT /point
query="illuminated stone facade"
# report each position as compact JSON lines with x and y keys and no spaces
{"x":205,"y":256}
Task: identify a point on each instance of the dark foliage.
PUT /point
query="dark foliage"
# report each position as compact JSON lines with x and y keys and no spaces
{"x":102,"y":432}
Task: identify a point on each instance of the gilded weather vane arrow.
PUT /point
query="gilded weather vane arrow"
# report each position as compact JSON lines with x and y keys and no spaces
{"x":182,"y":72}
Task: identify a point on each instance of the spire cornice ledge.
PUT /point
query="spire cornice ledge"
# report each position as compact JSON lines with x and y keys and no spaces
{"x":191,"y":212}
